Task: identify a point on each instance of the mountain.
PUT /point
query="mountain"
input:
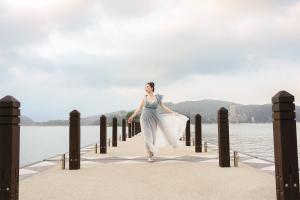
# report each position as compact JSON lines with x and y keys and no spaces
{"x":91,"y":120}
{"x":26,"y":121}
{"x":109,"y":116}
{"x":259,"y":113}
{"x":238,"y":113}
{"x":207,"y":108}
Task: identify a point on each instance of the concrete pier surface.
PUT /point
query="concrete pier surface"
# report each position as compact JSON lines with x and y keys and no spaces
{"x":124,"y":173}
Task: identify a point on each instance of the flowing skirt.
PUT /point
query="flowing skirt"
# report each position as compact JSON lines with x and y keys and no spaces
{"x":161,"y":129}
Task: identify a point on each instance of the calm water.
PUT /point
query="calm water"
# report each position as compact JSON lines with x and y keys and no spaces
{"x":253,"y":139}
{"x":38,"y":143}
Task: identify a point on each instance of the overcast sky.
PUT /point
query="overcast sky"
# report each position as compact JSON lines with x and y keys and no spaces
{"x":96,"y":56}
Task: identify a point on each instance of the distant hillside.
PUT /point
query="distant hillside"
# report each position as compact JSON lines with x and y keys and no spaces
{"x":25,"y":121}
{"x":91,"y":120}
{"x":206,"y":108}
{"x":109,"y":116}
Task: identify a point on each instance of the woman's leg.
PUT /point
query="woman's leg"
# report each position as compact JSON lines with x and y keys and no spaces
{"x":145,"y":129}
{"x":148,"y":151}
{"x":154,"y":129}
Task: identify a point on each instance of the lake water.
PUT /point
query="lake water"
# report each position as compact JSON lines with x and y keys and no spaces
{"x":253,"y":139}
{"x":38,"y":143}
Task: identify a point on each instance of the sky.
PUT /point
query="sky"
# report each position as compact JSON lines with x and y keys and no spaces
{"x":96,"y":55}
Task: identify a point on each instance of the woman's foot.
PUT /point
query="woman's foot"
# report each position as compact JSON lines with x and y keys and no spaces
{"x":150,"y":159}
{"x":151,"y":154}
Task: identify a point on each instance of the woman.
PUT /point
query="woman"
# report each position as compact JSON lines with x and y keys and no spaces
{"x":159,"y":129}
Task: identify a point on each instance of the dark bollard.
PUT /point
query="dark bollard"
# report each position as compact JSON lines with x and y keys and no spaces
{"x":136,"y":128}
{"x":139,"y":127}
{"x":123,"y":130}
{"x":129,"y":130}
{"x":188,"y":133}
{"x":74,"y":140}
{"x":115,"y":132}
{"x":9,"y":148}
{"x":285,"y":146}
{"x":198,"y":134}
{"x":133,"y":129}
{"x":223,"y":138}
{"x":103,"y":135}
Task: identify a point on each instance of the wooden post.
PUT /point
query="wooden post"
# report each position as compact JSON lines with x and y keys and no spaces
{"x":285,"y":146}
{"x":136,"y":128}
{"x":123,"y":130}
{"x":96,"y":148}
{"x":74,"y":140}
{"x":133,"y":129}
{"x":103,"y":134}
{"x":188,"y":133}
{"x":198,"y":133}
{"x":139,"y":127}
{"x":9,"y":148}
{"x":129,"y":130}
{"x":205,"y":146}
{"x":223,"y":138}
{"x":115,"y":132}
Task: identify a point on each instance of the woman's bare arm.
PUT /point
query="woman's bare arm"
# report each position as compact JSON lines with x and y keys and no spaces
{"x":138,"y":109}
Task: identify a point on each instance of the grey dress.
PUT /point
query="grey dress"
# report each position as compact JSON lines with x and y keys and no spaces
{"x":160,"y":129}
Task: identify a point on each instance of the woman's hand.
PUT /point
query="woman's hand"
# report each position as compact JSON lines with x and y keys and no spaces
{"x":130,"y":119}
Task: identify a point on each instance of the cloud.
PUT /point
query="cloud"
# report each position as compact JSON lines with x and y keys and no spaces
{"x":98,"y":49}
{"x":253,"y":87}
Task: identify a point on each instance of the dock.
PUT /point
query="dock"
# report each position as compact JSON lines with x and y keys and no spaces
{"x":124,"y":173}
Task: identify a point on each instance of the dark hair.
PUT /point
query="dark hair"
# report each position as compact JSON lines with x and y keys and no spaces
{"x":151,"y":85}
